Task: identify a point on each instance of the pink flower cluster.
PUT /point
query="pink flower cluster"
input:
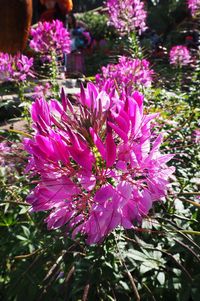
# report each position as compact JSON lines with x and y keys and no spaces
{"x":194,"y":6}
{"x":5,"y":66}
{"x":17,"y":67}
{"x":129,"y":74}
{"x":98,"y":165}
{"x":127,"y":15}
{"x":50,"y":38}
{"x":4,"y":150}
{"x":179,"y":56}
{"x":196,"y":136}
{"x":42,"y":91}
{"x":12,"y":159}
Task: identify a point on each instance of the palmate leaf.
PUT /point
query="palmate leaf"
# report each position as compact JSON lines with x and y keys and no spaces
{"x":148,"y":261}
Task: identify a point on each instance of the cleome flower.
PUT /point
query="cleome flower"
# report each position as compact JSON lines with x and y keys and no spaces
{"x":97,"y":163}
{"x":127,"y":15}
{"x":129,"y":74}
{"x":5,"y":66}
{"x":21,"y":67}
{"x":50,"y":38}
{"x":42,"y":90}
{"x":12,"y":160}
{"x":16,"y":67}
{"x":196,"y":136}
{"x":194,"y":6}
{"x":179,"y":56}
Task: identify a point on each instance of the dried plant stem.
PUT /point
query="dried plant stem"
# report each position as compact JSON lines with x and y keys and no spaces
{"x":135,"y":291}
{"x":86,"y":292}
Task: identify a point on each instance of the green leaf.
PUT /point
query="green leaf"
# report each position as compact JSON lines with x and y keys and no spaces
{"x":161,"y":278}
{"x":20,"y":237}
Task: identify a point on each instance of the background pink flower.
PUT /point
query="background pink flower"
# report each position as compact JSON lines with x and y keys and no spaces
{"x":50,"y":37}
{"x":17,"y":67}
{"x":127,"y":15}
{"x":179,"y":56}
{"x":129,"y":74}
{"x":194,"y":6}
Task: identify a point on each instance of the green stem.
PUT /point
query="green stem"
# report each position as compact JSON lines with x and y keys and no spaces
{"x":54,"y":74}
{"x":21,"y":90}
{"x":135,"y":45}
{"x":179,"y":78}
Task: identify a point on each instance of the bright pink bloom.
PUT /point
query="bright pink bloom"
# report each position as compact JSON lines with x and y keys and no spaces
{"x":196,"y":136}
{"x":129,"y":74}
{"x":50,"y":38}
{"x":98,"y":165}
{"x":127,"y":15}
{"x":12,"y":159}
{"x":194,"y":6}
{"x":16,"y":67}
{"x":4,"y":151}
{"x":5,"y":66}
{"x":42,"y":90}
{"x":22,"y":67}
{"x":179,"y":56}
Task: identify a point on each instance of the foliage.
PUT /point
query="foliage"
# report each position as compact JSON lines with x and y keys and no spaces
{"x":81,"y":6}
{"x":165,"y":15}
{"x":97,"y":24}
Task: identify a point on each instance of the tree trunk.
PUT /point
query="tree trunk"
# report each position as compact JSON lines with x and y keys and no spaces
{"x":15,"y":21}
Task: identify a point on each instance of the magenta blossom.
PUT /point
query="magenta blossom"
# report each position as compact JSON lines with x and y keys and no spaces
{"x":12,"y":158}
{"x":128,"y":74}
{"x":5,"y":66}
{"x":179,"y":56}
{"x":4,"y":151}
{"x":196,"y":136}
{"x":22,"y":67}
{"x":127,"y":15}
{"x":97,"y":163}
{"x":15,"y":68}
{"x":194,"y":6}
{"x":50,"y":38}
{"x":42,"y":90}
